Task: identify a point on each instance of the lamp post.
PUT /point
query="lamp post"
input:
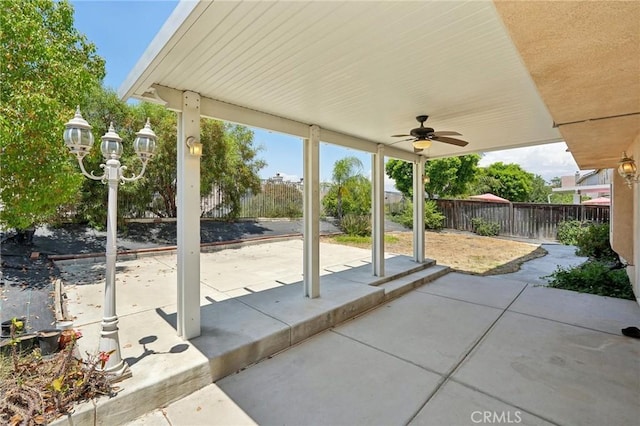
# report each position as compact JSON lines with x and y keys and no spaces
{"x":79,"y":140}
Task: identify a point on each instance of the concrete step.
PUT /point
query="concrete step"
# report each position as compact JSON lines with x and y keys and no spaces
{"x":237,"y":333}
{"x":398,"y":287}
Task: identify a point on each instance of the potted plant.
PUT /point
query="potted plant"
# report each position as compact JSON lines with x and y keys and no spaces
{"x":49,"y":341}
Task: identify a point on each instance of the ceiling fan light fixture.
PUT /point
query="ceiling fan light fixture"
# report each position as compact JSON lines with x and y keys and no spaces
{"x":422,"y":143}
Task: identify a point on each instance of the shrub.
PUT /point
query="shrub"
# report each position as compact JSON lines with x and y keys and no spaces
{"x":433,"y":218}
{"x":594,"y":243}
{"x":593,"y":277}
{"x":36,"y":389}
{"x":484,"y":227}
{"x":569,"y":230}
{"x":353,"y":224}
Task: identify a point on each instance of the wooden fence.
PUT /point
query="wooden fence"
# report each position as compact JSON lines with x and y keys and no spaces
{"x":528,"y":220}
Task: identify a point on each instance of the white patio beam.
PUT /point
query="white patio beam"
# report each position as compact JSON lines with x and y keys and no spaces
{"x":211,"y":108}
{"x":311,"y":213}
{"x":418,"y":210}
{"x":377,"y":204}
{"x":188,"y":219}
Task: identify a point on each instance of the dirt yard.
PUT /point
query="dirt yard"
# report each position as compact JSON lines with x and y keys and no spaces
{"x":468,"y":253}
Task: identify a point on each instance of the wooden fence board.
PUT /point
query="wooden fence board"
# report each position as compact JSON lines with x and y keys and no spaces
{"x":528,"y":220}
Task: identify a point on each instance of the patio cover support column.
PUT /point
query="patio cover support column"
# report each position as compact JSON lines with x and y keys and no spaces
{"x":634,"y":271}
{"x":377,"y":204}
{"x":311,"y":252}
{"x":188,"y":223}
{"x":418,"y":210}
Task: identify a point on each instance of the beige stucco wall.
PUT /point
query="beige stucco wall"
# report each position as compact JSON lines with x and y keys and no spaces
{"x":622,"y":219}
{"x":625,"y":222}
{"x":634,"y":269}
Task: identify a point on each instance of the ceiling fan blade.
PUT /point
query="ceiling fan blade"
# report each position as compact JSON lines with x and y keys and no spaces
{"x":451,"y":141}
{"x":417,"y":150}
{"x":400,"y":136}
{"x":404,"y":140}
{"x":447,"y":133}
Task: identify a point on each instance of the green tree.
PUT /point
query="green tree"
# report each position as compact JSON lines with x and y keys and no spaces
{"x":229,"y":162}
{"x":45,"y":68}
{"x":233,"y":163}
{"x":540,"y":191}
{"x":402,"y":173}
{"x":559,"y":197}
{"x":556,"y":182}
{"x":355,"y":198}
{"x":513,"y":183}
{"x":345,"y":171}
{"x":102,"y":107}
{"x":448,"y":177}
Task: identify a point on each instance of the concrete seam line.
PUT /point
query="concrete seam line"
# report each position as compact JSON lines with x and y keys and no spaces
{"x":475,"y":389}
{"x":466,"y":355}
{"x":422,"y":367}
{"x":566,"y":323}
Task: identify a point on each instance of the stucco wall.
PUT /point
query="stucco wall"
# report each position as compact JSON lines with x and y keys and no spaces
{"x":622,"y":219}
{"x":634,"y":271}
{"x":625,"y":222}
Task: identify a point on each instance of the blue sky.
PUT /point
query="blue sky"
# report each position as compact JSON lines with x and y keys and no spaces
{"x":122,"y":30}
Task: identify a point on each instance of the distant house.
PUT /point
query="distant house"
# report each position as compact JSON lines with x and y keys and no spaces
{"x":597,"y":177}
{"x":594,"y":184}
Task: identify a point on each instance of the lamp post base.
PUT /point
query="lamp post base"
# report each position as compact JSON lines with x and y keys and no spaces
{"x":118,"y":372}
{"x":110,"y":344}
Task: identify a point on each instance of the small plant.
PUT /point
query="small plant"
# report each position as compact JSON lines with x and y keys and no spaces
{"x":569,"y":230}
{"x":433,"y":218}
{"x":359,"y":225}
{"x":36,"y":390}
{"x":593,"y":277}
{"x":484,"y":227}
{"x":594,"y":242}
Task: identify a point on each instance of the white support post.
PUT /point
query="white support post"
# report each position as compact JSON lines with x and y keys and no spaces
{"x":418,"y":210}
{"x":311,"y":252}
{"x":633,"y":270}
{"x":188,"y":223}
{"x":377,"y":204}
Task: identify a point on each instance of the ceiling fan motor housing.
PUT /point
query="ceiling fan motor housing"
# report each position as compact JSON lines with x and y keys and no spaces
{"x":421,"y":132}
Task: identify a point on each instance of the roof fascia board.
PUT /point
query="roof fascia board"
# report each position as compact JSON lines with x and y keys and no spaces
{"x":211,"y":108}
{"x":584,"y":188}
{"x":170,"y":33}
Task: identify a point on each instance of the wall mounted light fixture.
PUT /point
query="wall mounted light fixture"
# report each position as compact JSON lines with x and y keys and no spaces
{"x":628,"y":170}
{"x":195,"y":147}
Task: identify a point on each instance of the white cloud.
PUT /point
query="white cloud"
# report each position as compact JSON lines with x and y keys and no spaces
{"x":548,"y":161}
{"x":389,"y":184}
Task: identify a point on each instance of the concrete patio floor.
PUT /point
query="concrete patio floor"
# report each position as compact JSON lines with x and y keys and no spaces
{"x":458,"y":350}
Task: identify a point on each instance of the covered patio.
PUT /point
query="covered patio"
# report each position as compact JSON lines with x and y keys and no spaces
{"x":448,"y":350}
{"x":351,"y":74}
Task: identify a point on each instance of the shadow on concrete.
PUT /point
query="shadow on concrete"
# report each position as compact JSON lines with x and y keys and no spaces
{"x":176,"y":349}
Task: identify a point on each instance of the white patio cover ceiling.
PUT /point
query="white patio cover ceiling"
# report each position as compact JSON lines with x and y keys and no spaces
{"x":362,"y":69}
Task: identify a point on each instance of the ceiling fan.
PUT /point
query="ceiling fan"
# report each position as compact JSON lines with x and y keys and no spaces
{"x":423,"y":136}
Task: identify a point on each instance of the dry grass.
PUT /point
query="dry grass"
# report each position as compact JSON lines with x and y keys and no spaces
{"x":463,"y":252}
